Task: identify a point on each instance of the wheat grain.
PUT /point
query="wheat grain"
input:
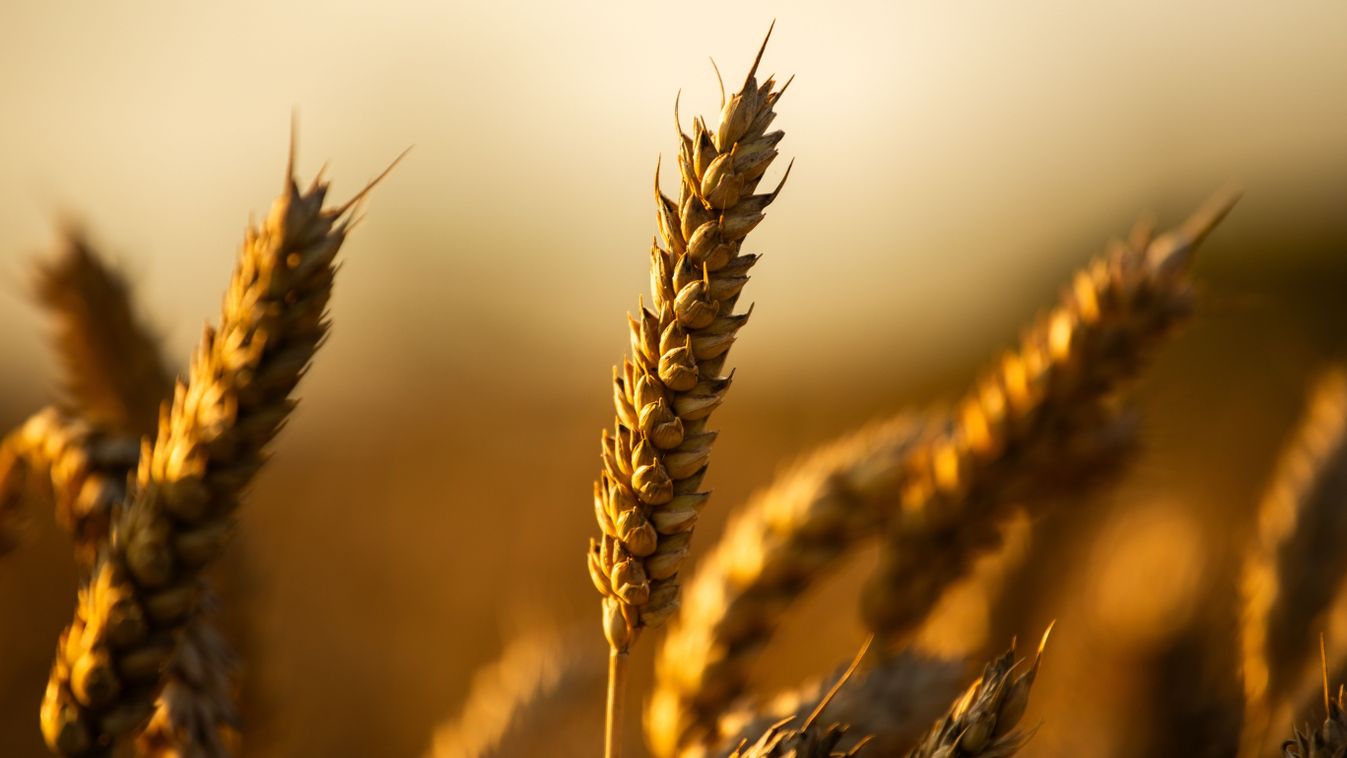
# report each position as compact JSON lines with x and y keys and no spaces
{"x":145,"y":587}
{"x":1295,"y":565}
{"x":984,"y":720}
{"x":1051,"y":402}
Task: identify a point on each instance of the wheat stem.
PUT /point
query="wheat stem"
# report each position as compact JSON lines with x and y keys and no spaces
{"x":617,"y":695}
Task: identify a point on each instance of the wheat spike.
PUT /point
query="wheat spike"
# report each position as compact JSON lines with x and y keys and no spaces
{"x":537,"y":670}
{"x":114,"y":372}
{"x":1052,"y":400}
{"x":146,"y":585}
{"x":770,"y":552}
{"x":890,"y":704}
{"x":1295,"y":566}
{"x":984,"y":720}
{"x":1329,"y":740}
{"x":810,"y":739}
{"x":116,"y":378}
{"x":649,"y":494}
{"x":79,"y":469}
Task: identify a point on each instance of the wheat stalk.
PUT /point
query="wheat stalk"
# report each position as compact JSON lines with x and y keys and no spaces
{"x":1054,"y":399}
{"x":648,"y":495}
{"x":984,"y":720}
{"x":145,"y":587}
{"x":1295,"y":565}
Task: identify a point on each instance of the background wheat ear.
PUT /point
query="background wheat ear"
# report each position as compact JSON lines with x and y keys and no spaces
{"x":984,"y":720}
{"x":1051,"y":402}
{"x":1295,"y":566}
{"x":538,"y":672}
{"x":145,"y":587}
{"x":887,"y":705}
{"x":114,"y":370}
{"x":649,"y":493}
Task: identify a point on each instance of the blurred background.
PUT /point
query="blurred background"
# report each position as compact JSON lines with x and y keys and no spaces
{"x":431,"y":497}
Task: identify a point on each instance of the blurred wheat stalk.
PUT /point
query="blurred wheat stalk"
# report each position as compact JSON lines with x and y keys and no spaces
{"x":148,"y":517}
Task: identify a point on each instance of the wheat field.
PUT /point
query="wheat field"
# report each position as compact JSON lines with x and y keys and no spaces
{"x":981,"y":389}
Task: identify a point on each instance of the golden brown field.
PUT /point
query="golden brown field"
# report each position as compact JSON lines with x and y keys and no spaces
{"x":948,"y":429}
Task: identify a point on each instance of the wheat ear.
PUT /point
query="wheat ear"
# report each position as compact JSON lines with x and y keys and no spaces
{"x":649,"y":494}
{"x":772,"y":549}
{"x":116,"y":378}
{"x":114,"y":371}
{"x":536,"y":671}
{"x":145,"y":587}
{"x":890,"y":704}
{"x":1330,"y":739}
{"x":984,"y":720}
{"x":1295,"y":565}
{"x":80,"y":469}
{"x":1051,"y":400}
{"x":810,"y":739}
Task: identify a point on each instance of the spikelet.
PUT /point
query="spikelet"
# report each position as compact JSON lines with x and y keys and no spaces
{"x":79,"y":469}
{"x":772,"y":549}
{"x":649,"y":494}
{"x":1053,"y":399}
{"x":538,"y":670}
{"x":114,"y":372}
{"x":146,"y":585}
{"x":984,"y":720}
{"x":890,"y":704}
{"x":1296,"y":566}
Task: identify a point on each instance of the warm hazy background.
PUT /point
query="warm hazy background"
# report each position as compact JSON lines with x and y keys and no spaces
{"x":431,"y":497}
